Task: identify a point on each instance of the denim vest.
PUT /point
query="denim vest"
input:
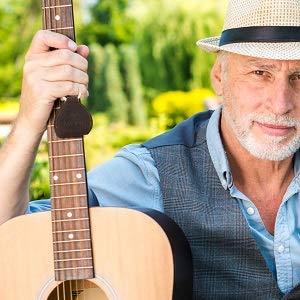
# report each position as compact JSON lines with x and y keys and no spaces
{"x":227,"y":261}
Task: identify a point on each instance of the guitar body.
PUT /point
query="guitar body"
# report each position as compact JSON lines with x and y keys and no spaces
{"x":135,"y":258}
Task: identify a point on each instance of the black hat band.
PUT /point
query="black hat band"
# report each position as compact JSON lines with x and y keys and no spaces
{"x":261,"y":34}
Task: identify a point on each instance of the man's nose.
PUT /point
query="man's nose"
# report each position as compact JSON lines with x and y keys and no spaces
{"x":281,"y":99}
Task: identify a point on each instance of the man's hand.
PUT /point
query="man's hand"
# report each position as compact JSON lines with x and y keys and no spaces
{"x":49,"y":75}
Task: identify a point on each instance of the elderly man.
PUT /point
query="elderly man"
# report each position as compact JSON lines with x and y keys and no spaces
{"x":229,"y":178}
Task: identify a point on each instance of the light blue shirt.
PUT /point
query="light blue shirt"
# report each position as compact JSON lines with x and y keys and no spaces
{"x":131,"y":179}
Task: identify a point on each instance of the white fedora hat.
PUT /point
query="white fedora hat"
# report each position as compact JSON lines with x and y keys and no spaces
{"x":259,"y":28}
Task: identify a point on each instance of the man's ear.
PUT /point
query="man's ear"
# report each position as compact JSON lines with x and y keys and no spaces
{"x":216,"y":77}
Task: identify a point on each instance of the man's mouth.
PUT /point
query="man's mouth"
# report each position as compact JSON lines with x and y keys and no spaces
{"x":274,"y":129}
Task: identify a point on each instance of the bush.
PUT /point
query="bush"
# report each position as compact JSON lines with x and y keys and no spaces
{"x":173,"y":107}
{"x":39,"y":183}
{"x":106,"y":139}
{"x":133,"y":85}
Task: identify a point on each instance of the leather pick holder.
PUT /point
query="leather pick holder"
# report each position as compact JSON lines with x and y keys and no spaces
{"x":72,"y":120}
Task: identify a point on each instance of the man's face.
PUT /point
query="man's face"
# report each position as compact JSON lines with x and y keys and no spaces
{"x":262,"y":104}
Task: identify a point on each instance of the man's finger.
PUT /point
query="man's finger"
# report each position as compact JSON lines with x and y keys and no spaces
{"x":45,"y":39}
{"x":83,"y":50}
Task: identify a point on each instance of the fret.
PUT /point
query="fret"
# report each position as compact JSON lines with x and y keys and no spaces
{"x":64,"y":140}
{"x":68,"y":215}
{"x":60,"y":221}
{"x":57,"y":6}
{"x":67,"y":155}
{"x":65,"y":245}
{"x":62,"y":269}
{"x":76,"y":254}
{"x":79,"y":230}
{"x":71,"y":241}
{"x":72,"y":246}
{"x":73,"y":250}
{"x":68,"y":234}
{"x":68,"y":183}
{"x":61,"y":28}
{"x":73,"y":259}
{"x":73,"y":254}
{"x":57,"y":2}
{"x":68,"y":196}
{"x":66,"y":170}
{"x":69,"y":208}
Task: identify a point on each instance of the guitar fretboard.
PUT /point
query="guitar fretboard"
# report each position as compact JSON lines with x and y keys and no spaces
{"x":58,"y":17}
{"x":70,"y":215}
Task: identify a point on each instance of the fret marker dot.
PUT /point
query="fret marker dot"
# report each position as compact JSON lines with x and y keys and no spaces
{"x":55,"y":177}
{"x":57,"y":17}
{"x":69,"y":214}
{"x":78,"y":175}
{"x":71,"y":235}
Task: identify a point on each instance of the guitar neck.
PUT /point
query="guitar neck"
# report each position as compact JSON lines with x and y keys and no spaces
{"x":58,"y":17}
{"x":70,"y":214}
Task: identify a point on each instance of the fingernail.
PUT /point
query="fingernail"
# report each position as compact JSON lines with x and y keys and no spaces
{"x":72,"y":45}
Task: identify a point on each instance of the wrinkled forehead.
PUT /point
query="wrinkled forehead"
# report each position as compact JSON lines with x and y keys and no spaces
{"x":263,"y":63}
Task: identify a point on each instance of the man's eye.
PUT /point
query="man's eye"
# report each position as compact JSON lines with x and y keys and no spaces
{"x":296,"y":77}
{"x":259,"y":72}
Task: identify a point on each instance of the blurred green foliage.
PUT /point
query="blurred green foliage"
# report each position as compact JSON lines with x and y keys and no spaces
{"x":109,"y":23}
{"x":165,"y":55}
{"x":115,"y":84}
{"x":139,"y":50}
{"x":39,"y":183}
{"x":133,"y":85}
{"x":165,"y":36}
{"x":15,"y":35}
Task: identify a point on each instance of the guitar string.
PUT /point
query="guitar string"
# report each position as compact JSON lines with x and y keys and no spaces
{"x":47,"y":21}
{"x":53,"y":26}
{"x":50,"y":129}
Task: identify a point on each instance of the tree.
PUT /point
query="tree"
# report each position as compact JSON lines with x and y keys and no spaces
{"x":114,"y":96}
{"x":165,"y":36}
{"x":133,"y":85}
{"x":109,"y":23}
{"x":96,"y":59}
{"x":15,"y":36}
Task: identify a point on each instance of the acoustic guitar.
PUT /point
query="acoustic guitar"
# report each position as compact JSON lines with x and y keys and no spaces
{"x":77,"y":252}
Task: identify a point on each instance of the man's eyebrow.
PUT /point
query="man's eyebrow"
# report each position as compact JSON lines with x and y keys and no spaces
{"x":261,"y":65}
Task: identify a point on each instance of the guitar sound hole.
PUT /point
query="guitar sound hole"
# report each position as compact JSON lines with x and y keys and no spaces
{"x":77,"y":290}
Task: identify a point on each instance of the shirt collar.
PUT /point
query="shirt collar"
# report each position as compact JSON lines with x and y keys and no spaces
{"x":297,"y":165}
{"x":216,"y":149}
{"x":218,"y":154}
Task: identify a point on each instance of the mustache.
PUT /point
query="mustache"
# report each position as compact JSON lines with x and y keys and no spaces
{"x":271,"y":119}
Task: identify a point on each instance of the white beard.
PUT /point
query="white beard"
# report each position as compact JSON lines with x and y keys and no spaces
{"x":272,"y":147}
